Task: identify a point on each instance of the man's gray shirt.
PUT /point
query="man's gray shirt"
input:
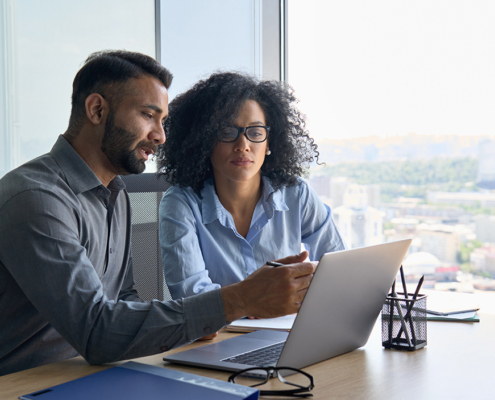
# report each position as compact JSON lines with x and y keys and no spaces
{"x":66,"y":283}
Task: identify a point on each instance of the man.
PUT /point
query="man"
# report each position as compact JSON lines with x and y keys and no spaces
{"x":66,"y":283}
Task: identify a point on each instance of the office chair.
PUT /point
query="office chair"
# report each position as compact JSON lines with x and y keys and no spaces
{"x":145,"y":192}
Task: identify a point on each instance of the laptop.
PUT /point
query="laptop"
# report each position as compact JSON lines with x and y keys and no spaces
{"x":336,"y":316}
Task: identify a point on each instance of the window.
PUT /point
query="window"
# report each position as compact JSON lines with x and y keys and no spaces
{"x":218,"y":35}
{"x":400,"y":99}
{"x":43,"y":46}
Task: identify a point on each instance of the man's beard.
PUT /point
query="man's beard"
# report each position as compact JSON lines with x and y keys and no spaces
{"x":116,"y":145}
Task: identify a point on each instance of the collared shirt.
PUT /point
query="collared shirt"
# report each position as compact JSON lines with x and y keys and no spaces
{"x":203,"y":251}
{"x":66,"y":283}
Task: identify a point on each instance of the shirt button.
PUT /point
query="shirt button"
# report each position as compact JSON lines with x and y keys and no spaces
{"x":111,"y":251}
{"x":163,"y":348}
{"x":100,"y":192}
{"x":256,"y":227}
{"x":207,"y":330}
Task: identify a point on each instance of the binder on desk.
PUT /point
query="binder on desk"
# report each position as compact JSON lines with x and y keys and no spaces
{"x":133,"y":380}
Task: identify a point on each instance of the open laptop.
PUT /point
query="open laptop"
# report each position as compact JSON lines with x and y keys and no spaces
{"x":336,"y":316}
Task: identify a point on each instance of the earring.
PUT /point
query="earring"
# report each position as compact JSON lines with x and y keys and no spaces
{"x":268,"y":152}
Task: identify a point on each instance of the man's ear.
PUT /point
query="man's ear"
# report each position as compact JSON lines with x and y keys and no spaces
{"x":97,"y":108}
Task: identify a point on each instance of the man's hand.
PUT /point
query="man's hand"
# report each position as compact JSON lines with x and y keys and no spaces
{"x":209,"y":337}
{"x":270,"y":292}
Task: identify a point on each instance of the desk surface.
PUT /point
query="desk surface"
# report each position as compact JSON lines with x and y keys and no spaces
{"x":457,"y":363}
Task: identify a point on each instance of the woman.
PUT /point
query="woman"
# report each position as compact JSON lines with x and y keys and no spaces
{"x":235,"y":150}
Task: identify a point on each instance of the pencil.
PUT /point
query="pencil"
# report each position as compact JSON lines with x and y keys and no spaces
{"x":410,"y":307}
{"x":404,"y":289}
{"x":402,"y":320}
{"x":391,"y":314}
{"x":403,"y":279}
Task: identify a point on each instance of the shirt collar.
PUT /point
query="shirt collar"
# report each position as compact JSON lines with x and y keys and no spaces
{"x":271,"y":199}
{"x":211,"y":207}
{"x":80,"y":177}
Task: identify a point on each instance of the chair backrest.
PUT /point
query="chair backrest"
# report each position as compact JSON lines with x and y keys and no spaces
{"x":145,"y":192}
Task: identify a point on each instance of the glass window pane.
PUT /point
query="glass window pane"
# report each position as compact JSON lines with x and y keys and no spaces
{"x":399,"y":97}
{"x":49,"y":42}
{"x":201,"y":37}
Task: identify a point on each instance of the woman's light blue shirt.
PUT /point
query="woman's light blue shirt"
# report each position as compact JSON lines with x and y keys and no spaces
{"x":202,"y":250}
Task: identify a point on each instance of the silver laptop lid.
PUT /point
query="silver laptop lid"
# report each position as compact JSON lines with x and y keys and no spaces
{"x":342,"y":303}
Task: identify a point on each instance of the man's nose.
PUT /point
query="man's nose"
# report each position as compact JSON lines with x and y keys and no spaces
{"x":157,"y":135}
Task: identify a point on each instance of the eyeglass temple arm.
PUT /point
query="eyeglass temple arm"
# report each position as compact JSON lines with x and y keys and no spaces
{"x":311,"y":385}
{"x":293,"y":393}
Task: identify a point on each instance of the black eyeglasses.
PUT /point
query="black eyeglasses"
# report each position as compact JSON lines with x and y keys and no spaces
{"x":290,"y":376}
{"x":255,"y":134}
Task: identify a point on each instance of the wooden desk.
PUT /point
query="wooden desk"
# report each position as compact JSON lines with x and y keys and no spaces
{"x":457,"y":363}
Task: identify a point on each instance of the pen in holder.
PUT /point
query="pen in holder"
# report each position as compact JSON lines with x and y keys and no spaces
{"x":404,"y":321}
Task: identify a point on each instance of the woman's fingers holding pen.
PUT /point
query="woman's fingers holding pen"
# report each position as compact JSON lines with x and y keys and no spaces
{"x":296,"y":258}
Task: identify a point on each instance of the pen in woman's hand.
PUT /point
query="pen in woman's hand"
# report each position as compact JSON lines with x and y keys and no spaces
{"x":274,"y":264}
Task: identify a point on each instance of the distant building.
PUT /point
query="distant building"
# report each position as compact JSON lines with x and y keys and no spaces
{"x":446,"y":273}
{"x":466,"y":232}
{"x":485,"y":228}
{"x":359,"y":224}
{"x":408,"y":209}
{"x":440,"y":240}
{"x":486,"y":164}
{"x":374,"y":194}
{"x":337,"y":190}
{"x":405,"y":225}
{"x":480,"y":199}
{"x":483,"y":259}
{"x":422,"y":263}
{"x":321,"y":185}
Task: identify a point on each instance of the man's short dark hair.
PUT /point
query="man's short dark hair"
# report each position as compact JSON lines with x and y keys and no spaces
{"x":104,"y":72}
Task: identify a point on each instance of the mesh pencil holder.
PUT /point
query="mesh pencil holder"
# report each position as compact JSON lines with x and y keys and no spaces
{"x":404,"y":322}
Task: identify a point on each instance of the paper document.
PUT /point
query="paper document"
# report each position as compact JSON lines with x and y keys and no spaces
{"x":449,"y":302}
{"x":250,"y":325}
{"x":454,"y":307}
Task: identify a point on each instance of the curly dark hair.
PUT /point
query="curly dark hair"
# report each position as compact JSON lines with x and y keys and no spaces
{"x":214,"y":103}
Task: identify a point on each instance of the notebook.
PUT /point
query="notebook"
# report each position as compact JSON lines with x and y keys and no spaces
{"x":336,"y":316}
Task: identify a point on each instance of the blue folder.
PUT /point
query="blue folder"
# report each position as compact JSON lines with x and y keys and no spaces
{"x":140,"y":381}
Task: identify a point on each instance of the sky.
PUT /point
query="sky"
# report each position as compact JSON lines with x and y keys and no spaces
{"x":393,"y":67}
{"x":360,"y":68}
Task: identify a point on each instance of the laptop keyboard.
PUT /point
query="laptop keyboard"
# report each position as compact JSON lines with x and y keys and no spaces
{"x":264,"y":357}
